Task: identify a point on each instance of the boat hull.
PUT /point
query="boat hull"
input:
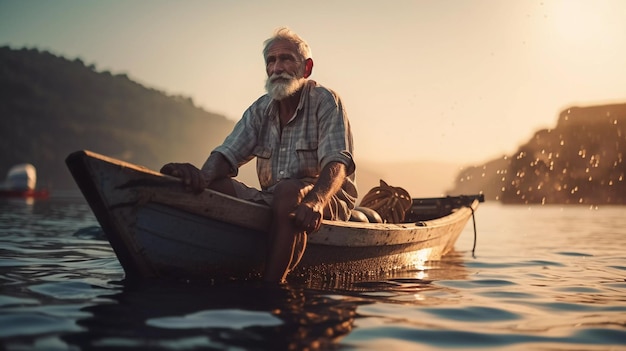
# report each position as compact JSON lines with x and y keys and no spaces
{"x":159,"y":230}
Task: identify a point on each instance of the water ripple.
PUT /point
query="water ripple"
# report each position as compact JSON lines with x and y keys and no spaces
{"x":227,"y":318}
{"x":473,"y":313}
{"x":23,"y":323}
{"x":68,"y":290}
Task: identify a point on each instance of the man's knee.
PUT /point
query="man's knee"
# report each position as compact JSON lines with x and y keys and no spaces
{"x":287,"y":195}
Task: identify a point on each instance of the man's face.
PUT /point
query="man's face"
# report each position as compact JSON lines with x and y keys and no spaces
{"x":285,"y":70}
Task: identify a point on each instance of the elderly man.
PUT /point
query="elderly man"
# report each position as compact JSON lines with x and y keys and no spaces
{"x":301,"y":137}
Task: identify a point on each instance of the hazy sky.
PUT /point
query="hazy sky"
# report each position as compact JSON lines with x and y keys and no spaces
{"x":443,"y":80}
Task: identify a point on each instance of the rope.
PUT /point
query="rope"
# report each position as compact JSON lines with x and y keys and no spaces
{"x":390,"y":202}
{"x":475,"y":235}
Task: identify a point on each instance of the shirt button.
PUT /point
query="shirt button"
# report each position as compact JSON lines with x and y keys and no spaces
{"x":281,"y":172}
{"x":283,"y":149}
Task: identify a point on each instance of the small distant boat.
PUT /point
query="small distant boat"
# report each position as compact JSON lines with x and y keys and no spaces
{"x":159,"y":230}
{"x":21,"y":182}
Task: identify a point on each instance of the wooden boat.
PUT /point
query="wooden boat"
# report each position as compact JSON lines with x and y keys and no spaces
{"x":159,"y":230}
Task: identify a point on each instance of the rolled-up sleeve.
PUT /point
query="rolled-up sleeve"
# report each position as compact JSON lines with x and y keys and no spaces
{"x":335,"y":136}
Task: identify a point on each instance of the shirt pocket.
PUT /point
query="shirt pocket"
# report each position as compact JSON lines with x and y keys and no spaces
{"x":306,"y":152}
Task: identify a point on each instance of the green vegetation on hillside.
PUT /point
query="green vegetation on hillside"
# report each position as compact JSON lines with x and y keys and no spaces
{"x":51,"y":106}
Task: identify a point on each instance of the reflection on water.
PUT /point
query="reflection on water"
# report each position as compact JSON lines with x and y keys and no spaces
{"x":543,"y":277}
{"x":246,"y":316}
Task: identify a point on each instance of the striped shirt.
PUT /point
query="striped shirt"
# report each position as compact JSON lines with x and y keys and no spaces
{"x":318,"y":133}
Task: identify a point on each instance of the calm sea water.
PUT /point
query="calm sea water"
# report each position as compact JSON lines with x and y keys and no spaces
{"x":543,"y":278}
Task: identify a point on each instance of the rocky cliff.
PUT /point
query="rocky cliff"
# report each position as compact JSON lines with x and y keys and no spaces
{"x":580,"y":161}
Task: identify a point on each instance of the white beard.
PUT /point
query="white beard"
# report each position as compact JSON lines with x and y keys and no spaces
{"x":279,"y":89}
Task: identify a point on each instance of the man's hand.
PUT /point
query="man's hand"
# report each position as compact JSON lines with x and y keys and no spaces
{"x":193,"y":178}
{"x":308,"y":217}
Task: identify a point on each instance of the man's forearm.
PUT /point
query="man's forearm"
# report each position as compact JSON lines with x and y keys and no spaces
{"x":329,"y":183}
{"x":216,"y":167}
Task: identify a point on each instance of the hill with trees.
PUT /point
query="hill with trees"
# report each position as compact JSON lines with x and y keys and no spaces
{"x":52,"y":106}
